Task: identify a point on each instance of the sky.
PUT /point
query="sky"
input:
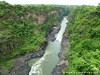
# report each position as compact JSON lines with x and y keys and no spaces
{"x":60,"y":2}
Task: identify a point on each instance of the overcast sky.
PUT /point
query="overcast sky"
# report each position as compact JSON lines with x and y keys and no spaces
{"x":61,"y":2}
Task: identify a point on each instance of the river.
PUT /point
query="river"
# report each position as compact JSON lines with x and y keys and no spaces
{"x":46,"y":64}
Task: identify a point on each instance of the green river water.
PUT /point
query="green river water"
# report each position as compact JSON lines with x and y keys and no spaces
{"x":46,"y":64}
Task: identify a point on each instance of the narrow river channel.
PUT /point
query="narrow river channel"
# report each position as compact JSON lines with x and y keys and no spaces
{"x":46,"y":64}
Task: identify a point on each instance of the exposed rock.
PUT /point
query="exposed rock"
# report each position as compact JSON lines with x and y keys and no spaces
{"x":52,"y":12}
{"x":20,"y":65}
{"x":52,"y":37}
{"x":3,"y":71}
{"x":1,"y":40}
{"x":58,"y":69}
{"x":41,"y":18}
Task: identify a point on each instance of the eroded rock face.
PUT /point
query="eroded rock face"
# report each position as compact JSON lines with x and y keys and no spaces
{"x":20,"y":65}
{"x":41,"y":18}
{"x":55,"y":30}
{"x":52,"y":12}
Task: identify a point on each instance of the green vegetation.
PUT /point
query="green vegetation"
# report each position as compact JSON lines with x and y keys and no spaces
{"x":24,"y":28}
{"x":84,"y":41}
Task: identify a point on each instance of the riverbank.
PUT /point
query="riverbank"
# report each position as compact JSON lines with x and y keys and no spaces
{"x":20,"y":63}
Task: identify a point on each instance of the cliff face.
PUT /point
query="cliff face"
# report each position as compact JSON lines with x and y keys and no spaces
{"x":41,"y":17}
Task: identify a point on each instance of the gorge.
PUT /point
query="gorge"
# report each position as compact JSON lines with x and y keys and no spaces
{"x":49,"y":39}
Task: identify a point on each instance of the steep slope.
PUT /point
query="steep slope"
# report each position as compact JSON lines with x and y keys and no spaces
{"x":84,"y":41}
{"x":24,"y":28}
